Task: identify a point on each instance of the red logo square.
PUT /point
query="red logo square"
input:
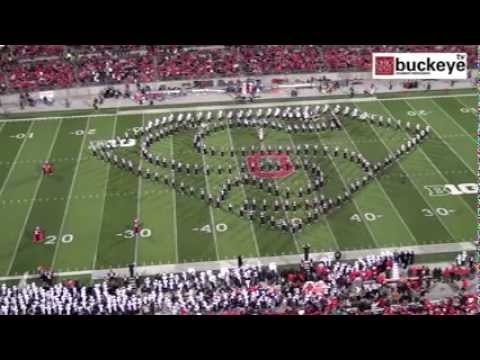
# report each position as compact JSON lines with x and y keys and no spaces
{"x":384,"y":65}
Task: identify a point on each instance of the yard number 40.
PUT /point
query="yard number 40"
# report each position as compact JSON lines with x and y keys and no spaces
{"x":219,"y":228}
{"x":366,"y":216}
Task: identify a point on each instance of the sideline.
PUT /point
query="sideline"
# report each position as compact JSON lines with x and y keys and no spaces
{"x":278,"y":260}
{"x":230,"y":105}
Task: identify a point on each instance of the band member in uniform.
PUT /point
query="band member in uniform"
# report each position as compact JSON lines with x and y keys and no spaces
{"x":38,"y":235}
{"x":47,"y":168}
{"x":272,"y":221}
{"x":136,"y":226}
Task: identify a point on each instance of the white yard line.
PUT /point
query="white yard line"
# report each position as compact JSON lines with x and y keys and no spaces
{"x":327,"y":222}
{"x":37,"y":187}
{"x":139,"y":196}
{"x":69,"y":197}
{"x":2,"y":125}
{"x":252,"y":229}
{"x":10,"y":171}
{"x":212,"y":218}
{"x":411,"y":180}
{"x":109,"y":166}
{"x":383,"y":190}
{"x":294,"y":236}
{"x":174,"y":204}
{"x":353,"y":201}
{"x":446,"y":143}
{"x":455,"y":122}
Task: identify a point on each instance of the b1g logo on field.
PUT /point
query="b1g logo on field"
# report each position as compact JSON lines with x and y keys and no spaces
{"x":407,"y":66}
{"x":450,"y":189}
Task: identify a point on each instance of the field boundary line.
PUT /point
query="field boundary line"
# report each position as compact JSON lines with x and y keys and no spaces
{"x":37,"y":187}
{"x":107,"y":178}
{"x":392,"y":204}
{"x":278,"y":102}
{"x":443,"y":141}
{"x":294,"y":259}
{"x":15,"y":159}
{"x":69,"y":197}
{"x":419,"y":190}
{"x":279,"y":260}
{"x":233,"y":105}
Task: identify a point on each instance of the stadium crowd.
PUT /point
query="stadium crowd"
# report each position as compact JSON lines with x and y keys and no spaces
{"x":388,"y":284}
{"x":39,"y":67}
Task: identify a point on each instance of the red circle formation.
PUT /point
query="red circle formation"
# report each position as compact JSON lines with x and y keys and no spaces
{"x":286,"y":167}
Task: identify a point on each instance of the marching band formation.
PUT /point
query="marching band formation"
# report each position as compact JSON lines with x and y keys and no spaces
{"x":316,"y":119}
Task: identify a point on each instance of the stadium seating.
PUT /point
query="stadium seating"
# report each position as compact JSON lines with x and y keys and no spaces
{"x":39,"y":75}
{"x":109,"y":70}
{"x":329,"y":287}
{"x":107,"y":64}
{"x":35,"y":51}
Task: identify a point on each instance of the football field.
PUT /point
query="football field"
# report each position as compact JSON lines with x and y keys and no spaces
{"x":86,"y":208}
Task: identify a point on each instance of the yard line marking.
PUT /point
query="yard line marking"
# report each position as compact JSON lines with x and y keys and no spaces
{"x":212,"y":219}
{"x":294,"y":236}
{"x":174,"y":200}
{"x":109,"y":166}
{"x":2,"y":125}
{"x":411,"y":180}
{"x":69,"y":197}
{"x":139,"y":196}
{"x":448,"y":145}
{"x":37,"y":187}
{"x":352,"y":199}
{"x":454,"y":121}
{"x":439,"y":172}
{"x":309,"y":181}
{"x":10,"y":171}
{"x":252,"y":228}
{"x":394,"y":207}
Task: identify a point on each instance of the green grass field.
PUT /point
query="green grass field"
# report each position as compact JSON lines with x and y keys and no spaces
{"x":88,"y":205}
